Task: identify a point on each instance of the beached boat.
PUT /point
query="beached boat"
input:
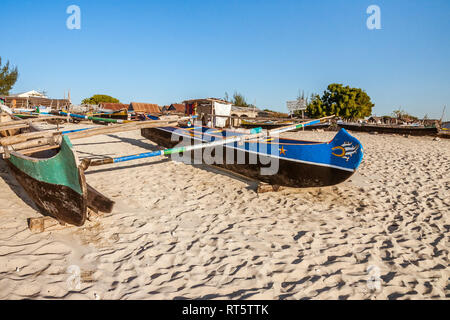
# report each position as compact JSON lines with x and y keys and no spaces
{"x":104,"y":113}
{"x":444,"y":132}
{"x":300,"y":163}
{"x":272,"y":124}
{"x":54,"y":179}
{"x":401,"y":129}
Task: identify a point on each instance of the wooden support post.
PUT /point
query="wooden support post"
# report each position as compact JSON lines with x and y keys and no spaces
{"x":41,"y":224}
{"x":265,"y":187}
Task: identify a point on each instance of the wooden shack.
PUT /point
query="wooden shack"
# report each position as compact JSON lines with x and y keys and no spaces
{"x":29,"y":102}
{"x":216,"y":112}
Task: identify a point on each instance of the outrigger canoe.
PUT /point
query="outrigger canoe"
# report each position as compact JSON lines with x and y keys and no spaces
{"x":54,"y":180}
{"x":300,"y":163}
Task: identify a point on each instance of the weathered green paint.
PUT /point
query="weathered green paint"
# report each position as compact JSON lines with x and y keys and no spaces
{"x":60,"y":170}
{"x":174,"y":150}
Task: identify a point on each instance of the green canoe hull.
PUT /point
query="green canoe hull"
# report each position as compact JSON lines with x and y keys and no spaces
{"x":57,"y":185}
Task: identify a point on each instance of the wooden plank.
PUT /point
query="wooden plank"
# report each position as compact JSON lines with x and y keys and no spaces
{"x":38,"y":149}
{"x":41,"y":142}
{"x":13,"y":126}
{"x":27,"y":136}
{"x":42,"y":119}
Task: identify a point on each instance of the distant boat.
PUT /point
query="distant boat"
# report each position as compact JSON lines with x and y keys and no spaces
{"x":445,"y":130}
{"x":301,"y":163}
{"x":105,"y":113}
{"x":412,"y":130}
{"x":272,"y":124}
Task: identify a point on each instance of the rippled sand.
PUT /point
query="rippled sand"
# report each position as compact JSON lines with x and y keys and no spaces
{"x":180,"y":231}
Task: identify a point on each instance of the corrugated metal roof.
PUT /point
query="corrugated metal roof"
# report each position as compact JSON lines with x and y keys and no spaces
{"x":114,"y":106}
{"x":177,"y":107}
{"x":207,"y":100}
{"x":145,"y":107}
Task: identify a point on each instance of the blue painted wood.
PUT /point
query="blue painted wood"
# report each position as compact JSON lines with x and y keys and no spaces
{"x":344,"y":152}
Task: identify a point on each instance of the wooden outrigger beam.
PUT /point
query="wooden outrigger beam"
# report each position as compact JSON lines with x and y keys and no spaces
{"x":28,"y":121}
{"x":51,"y":138}
{"x":255,"y":134}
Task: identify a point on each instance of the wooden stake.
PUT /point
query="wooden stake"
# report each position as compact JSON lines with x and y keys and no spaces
{"x":41,"y":224}
{"x":264,"y":187}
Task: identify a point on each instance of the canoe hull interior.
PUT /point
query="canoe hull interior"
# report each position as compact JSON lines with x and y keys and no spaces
{"x":289,"y":173}
{"x":56,"y":184}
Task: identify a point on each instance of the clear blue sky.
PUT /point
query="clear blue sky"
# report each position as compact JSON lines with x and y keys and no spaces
{"x":167,"y":51}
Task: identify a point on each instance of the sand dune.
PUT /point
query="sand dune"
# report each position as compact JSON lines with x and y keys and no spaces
{"x":183,"y":232}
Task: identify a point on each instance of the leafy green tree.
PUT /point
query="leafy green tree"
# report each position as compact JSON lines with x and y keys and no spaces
{"x":100,"y":98}
{"x":8,"y":78}
{"x":345,"y":102}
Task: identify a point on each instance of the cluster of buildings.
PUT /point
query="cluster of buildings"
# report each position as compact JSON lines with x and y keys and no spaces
{"x":207,"y":110}
{"x":222,"y":112}
{"x":29,"y":99}
{"x":392,"y":121}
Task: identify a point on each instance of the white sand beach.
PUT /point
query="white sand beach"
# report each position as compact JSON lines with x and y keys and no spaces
{"x":193,"y":232}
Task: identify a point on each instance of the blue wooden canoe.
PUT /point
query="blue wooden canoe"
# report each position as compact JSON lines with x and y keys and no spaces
{"x":300,"y":163}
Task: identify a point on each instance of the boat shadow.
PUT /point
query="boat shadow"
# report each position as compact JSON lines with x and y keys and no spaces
{"x":141,"y":143}
{"x":14,"y":185}
{"x":252,"y":184}
{"x":146,"y":144}
{"x":90,"y":171}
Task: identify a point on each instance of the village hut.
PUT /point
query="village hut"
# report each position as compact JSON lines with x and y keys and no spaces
{"x":216,"y":111}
